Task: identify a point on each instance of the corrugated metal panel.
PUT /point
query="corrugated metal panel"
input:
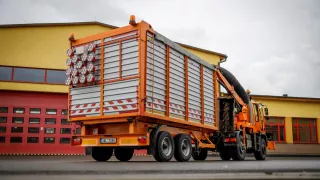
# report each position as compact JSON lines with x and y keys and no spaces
{"x":156,"y":76}
{"x":194,"y":90}
{"x":208,"y":95}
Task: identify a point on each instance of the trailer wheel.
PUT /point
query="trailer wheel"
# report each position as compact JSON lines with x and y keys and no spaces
{"x":201,"y":156}
{"x":183,"y":147}
{"x":261,"y":155}
{"x":165,"y":147}
{"x":124,"y":154}
{"x":225,"y":155}
{"x":101,"y":153}
{"x":239,"y":152}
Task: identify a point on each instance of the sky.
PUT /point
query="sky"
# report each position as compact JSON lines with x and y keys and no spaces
{"x":273,"y":46}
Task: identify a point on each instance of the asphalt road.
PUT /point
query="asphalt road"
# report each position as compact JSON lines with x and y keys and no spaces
{"x":83,"y":167}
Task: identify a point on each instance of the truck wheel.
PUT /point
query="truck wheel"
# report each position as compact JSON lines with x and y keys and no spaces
{"x":239,"y":152}
{"x":183,"y":147}
{"x":123,"y":154}
{"x":165,"y":147}
{"x":261,"y":155}
{"x":101,"y":153}
{"x":201,"y":156}
{"x":225,"y":155}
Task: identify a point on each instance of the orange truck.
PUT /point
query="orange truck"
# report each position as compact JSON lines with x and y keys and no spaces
{"x":133,"y":88}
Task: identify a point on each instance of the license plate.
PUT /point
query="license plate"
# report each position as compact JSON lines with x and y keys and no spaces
{"x":108,"y":140}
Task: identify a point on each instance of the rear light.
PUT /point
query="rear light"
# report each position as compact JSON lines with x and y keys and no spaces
{"x":82,"y":79}
{"x":142,"y":139}
{"x":92,"y":47}
{"x":84,"y":70}
{"x":79,"y":64}
{"x":75,"y":72}
{"x":75,"y":80}
{"x":77,"y":141}
{"x":70,"y":52}
{"x":84,"y":57}
{"x":69,"y":71}
{"x":91,"y":57}
{"x":91,"y":78}
{"x":68,"y":81}
{"x":68,"y":62}
{"x":91,"y":67}
{"x":227,"y":140}
{"x":75,"y":59}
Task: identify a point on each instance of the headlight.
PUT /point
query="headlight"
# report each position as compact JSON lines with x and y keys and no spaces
{"x":92,"y":47}
{"x":75,"y":80}
{"x":70,"y":52}
{"x":82,"y":79}
{"x":79,"y":64}
{"x":69,"y":71}
{"x":68,"y":81}
{"x":91,"y":67}
{"x":75,"y":59}
{"x":90,"y":78}
{"x":75,"y":72}
{"x":91,"y":57}
{"x":84,"y":57}
{"x":68,"y":62}
{"x":84,"y":70}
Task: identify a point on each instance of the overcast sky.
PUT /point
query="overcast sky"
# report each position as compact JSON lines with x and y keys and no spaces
{"x":273,"y":46}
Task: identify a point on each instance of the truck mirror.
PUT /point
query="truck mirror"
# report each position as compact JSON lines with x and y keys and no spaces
{"x":266,"y":111}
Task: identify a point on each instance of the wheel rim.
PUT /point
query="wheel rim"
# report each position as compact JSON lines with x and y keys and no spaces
{"x":166,"y":146}
{"x":242,"y":148}
{"x":185,"y":147}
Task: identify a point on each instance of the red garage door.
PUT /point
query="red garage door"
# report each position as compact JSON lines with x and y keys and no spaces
{"x":35,"y":123}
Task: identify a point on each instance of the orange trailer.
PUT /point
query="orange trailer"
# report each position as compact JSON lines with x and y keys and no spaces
{"x":132,"y":88}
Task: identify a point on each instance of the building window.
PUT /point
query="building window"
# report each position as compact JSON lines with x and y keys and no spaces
{"x":18,"y":110}
{"x":34,"y":120}
{"x":65,"y":130}
{"x":35,"y":110}
{"x":50,"y":121}
{"x":65,"y":122}
{"x":3,"y":119}
{"x":5,"y":73}
{"x":16,"y":129}
{"x":55,"y":76}
{"x":3,"y":129}
{"x":18,"y":120}
{"x":3,"y":109}
{"x":15,"y":139}
{"x":2,"y":139}
{"x":34,"y":130}
{"x":51,"y":111}
{"x":33,"y":140}
{"x":49,"y":130}
{"x":48,"y":140}
{"x":304,"y":130}
{"x":65,"y":140}
{"x":64,"y":112}
{"x":275,"y":128}
{"x":28,"y":75}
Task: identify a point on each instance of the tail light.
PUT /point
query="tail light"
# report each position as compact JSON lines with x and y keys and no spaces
{"x":91,"y":57}
{"x":226,"y":140}
{"x":75,"y":72}
{"x":84,"y":70}
{"x":79,"y":64}
{"x":91,"y":78}
{"x":77,"y":141}
{"x":68,"y":81}
{"x":142,"y":139}
{"x":70,"y":52}
{"x":92,"y":47}
{"x":82,"y":79}
{"x":91,"y":67}
{"x":75,"y":80}
{"x":69,"y":71}
{"x":84,"y":57}
{"x":68,"y":62}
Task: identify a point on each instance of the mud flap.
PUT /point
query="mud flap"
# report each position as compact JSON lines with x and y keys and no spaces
{"x":271,"y":145}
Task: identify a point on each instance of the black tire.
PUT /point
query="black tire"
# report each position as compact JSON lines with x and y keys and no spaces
{"x":225,"y":155}
{"x":101,"y":153}
{"x":165,"y":147}
{"x":201,"y":156}
{"x":239,"y":152}
{"x":261,"y":155}
{"x":124,"y":154}
{"x":183,"y":147}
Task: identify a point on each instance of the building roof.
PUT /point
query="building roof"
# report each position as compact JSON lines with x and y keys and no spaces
{"x":288,"y":98}
{"x":224,"y":56}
